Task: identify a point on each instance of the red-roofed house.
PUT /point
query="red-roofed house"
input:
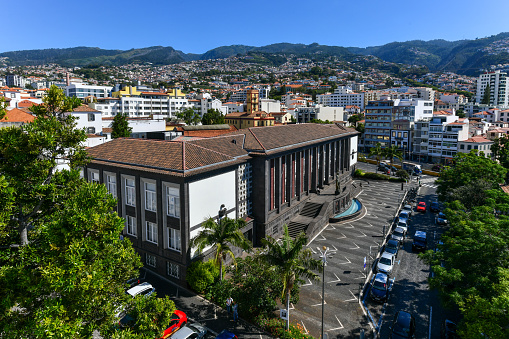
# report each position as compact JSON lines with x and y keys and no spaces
{"x":16,"y":117}
{"x":479,"y":143}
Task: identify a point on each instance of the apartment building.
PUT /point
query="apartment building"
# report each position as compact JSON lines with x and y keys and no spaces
{"x":320,"y":112}
{"x":445,"y":132}
{"x":241,"y":95}
{"x":14,"y":80}
{"x":479,"y":143}
{"x":203,"y":102}
{"x":381,"y":114}
{"x":82,"y":91}
{"x":165,"y":190}
{"x":343,"y":96}
{"x":497,"y":82}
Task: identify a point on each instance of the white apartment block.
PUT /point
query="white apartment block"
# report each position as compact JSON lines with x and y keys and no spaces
{"x":343,"y":96}
{"x":497,"y":81}
{"x":479,"y":143}
{"x":82,"y":91}
{"x":13,"y":80}
{"x":241,"y":95}
{"x":270,"y":105}
{"x":319,"y":112}
{"x":203,"y":102}
{"x":234,"y":106}
{"x":445,"y":132}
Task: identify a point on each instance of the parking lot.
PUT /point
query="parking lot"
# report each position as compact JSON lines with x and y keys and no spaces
{"x":353,"y":241}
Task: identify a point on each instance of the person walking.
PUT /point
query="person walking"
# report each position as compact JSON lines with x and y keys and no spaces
{"x":229,"y":301}
{"x":235,"y":311}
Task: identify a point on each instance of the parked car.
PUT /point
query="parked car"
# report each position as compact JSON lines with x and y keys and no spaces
{"x":380,"y":288}
{"x":178,"y":319}
{"x":448,"y":330}
{"x":407,"y":208}
{"x":392,"y":247}
{"x":403,"y":326}
{"x":437,"y":168}
{"x":441,"y":219}
{"x":403,"y":224}
{"x":404,"y":215}
{"x":382,"y":167}
{"x":421,"y":207}
{"x":225,"y":334}
{"x":144,"y":288}
{"x":385,"y":263}
{"x":194,"y":331}
{"x":398,"y":234}
{"x":420,"y":242}
{"x":434,"y":207}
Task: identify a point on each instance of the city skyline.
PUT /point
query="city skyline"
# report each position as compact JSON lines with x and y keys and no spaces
{"x":203,"y":26}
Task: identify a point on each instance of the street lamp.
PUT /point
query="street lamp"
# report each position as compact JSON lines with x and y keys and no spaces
{"x":324,"y":254}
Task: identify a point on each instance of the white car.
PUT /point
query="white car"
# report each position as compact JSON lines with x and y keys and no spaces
{"x":144,"y":288}
{"x":404,"y":215}
{"x":385,"y":263}
{"x":407,"y":208}
{"x":398,"y":234}
{"x":403,"y":223}
{"x":190,"y":331}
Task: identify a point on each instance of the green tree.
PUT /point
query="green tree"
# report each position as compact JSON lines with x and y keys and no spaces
{"x":212,"y":117}
{"x":221,"y":235}
{"x":120,"y":126}
{"x":360,"y":128}
{"x":460,"y":113}
{"x":189,"y":116}
{"x":487,"y":95}
{"x":354,"y":119}
{"x":391,"y":153}
{"x":389,"y":82}
{"x":290,"y":260}
{"x":466,"y":169}
{"x":30,"y":156}
{"x":377,"y":151}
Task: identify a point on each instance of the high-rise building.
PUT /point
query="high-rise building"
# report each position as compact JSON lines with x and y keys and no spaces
{"x":497,"y":82}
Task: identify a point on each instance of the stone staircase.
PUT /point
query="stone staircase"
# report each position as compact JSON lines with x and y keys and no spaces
{"x":311,"y":209}
{"x":295,"y":228}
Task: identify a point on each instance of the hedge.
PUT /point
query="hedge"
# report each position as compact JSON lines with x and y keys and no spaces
{"x":375,"y":176}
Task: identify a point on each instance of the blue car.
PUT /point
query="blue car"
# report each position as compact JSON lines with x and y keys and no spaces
{"x":225,"y":334}
{"x":380,"y":288}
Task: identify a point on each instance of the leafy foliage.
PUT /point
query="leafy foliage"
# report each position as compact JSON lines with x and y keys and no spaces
{"x":120,"y":126}
{"x":220,"y":235}
{"x":212,"y":117}
{"x":466,"y":169}
{"x":377,"y":151}
{"x":201,"y":275}
{"x":189,"y":116}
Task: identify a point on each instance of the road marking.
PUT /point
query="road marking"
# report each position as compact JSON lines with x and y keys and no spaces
{"x":333,"y":281}
{"x":363,"y":275}
{"x":310,"y":283}
{"x":332,"y":227}
{"x":304,"y":326}
{"x":363,"y":234}
{"x":343,"y":237}
{"x":354,"y":248}
{"x":340,"y":324}
{"x":312,"y":250}
{"x":335,"y":249}
{"x":353,"y":295}
{"x":348,"y":261}
{"x":320,"y":304}
{"x":292,"y":307}
{"x":352,"y":226}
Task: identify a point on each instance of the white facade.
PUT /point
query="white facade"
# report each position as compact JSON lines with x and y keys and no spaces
{"x":91,"y":121}
{"x":241,"y":95}
{"x":140,"y":125}
{"x":343,"y":96}
{"x":82,"y":91}
{"x":142,"y":107}
{"x":270,"y":105}
{"x":499,"y":93}
{"x":13,"y":80}
{"x":320,"y":112}
{"x":203,"y":102}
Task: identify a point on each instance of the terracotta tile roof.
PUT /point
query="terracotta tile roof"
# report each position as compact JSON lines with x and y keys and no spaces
{"x":171,"y":157}
{"x":273,"y":138}
{"x":505,"y":188}
{"x":85,"y":108}
{"x":26,"y":103}
{"x":476,"y":139}
{"x":107,"y":130}
{"x":17,"y":115}
{"x":442,"y":113}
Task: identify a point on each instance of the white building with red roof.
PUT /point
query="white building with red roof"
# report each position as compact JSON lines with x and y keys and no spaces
{"x":479,"y":143}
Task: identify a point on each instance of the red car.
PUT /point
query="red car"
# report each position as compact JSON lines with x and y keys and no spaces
{"x":178,"y":319}
{"x":421,"y":207}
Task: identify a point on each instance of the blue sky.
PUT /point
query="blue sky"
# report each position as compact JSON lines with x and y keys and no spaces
{"x":198,"y":26}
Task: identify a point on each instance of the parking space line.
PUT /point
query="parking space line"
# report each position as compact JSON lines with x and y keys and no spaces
{"x":354,"y":248}
{"x":363,"y":234}
{"x":340,"y":324}
{"x":343,"y":237}
{"x":323,"y":238}
{"x":348,"y":261}
{"x":309,"y":284}
{"x":353,"y":295}
{"x":320,"y":304}
{"x":304,"y":326}
{"x":334,"y":247}
{"x":337,"y":279}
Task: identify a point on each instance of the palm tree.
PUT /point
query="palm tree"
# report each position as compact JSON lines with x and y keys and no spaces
{"x":291,"y":260}
{"x":378,"y":152}
{"x":220,"y":235}
{"x":391,"y":153}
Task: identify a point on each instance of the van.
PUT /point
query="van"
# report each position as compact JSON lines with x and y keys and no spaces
{"x":419,"y":243}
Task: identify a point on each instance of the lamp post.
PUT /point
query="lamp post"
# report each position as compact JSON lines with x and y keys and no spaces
{"x":324,"y":254}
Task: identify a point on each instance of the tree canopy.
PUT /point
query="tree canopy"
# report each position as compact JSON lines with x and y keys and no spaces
{"x":469,"y":167}
{"x":120,"y":126}
{"x":212,"y":117}
{"x":189,"y":116}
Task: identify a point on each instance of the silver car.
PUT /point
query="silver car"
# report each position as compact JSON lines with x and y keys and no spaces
{"x":398,"y":234}
{"x":190,"y":331}
{"x":385,"y":263}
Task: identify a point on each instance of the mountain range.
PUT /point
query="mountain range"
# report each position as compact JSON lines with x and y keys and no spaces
{"x":467,"y":57}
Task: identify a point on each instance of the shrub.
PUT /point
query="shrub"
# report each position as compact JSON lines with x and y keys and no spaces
{"x":402,"y":174}
{"x":276,"y":327}
{"x":392,"y":179}
{"x":201,"y":275}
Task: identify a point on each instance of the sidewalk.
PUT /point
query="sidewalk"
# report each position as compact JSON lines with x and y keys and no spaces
{"x":202,"y":311}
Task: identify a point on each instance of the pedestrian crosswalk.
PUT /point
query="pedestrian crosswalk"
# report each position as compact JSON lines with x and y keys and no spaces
{"x":428,"y":181}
